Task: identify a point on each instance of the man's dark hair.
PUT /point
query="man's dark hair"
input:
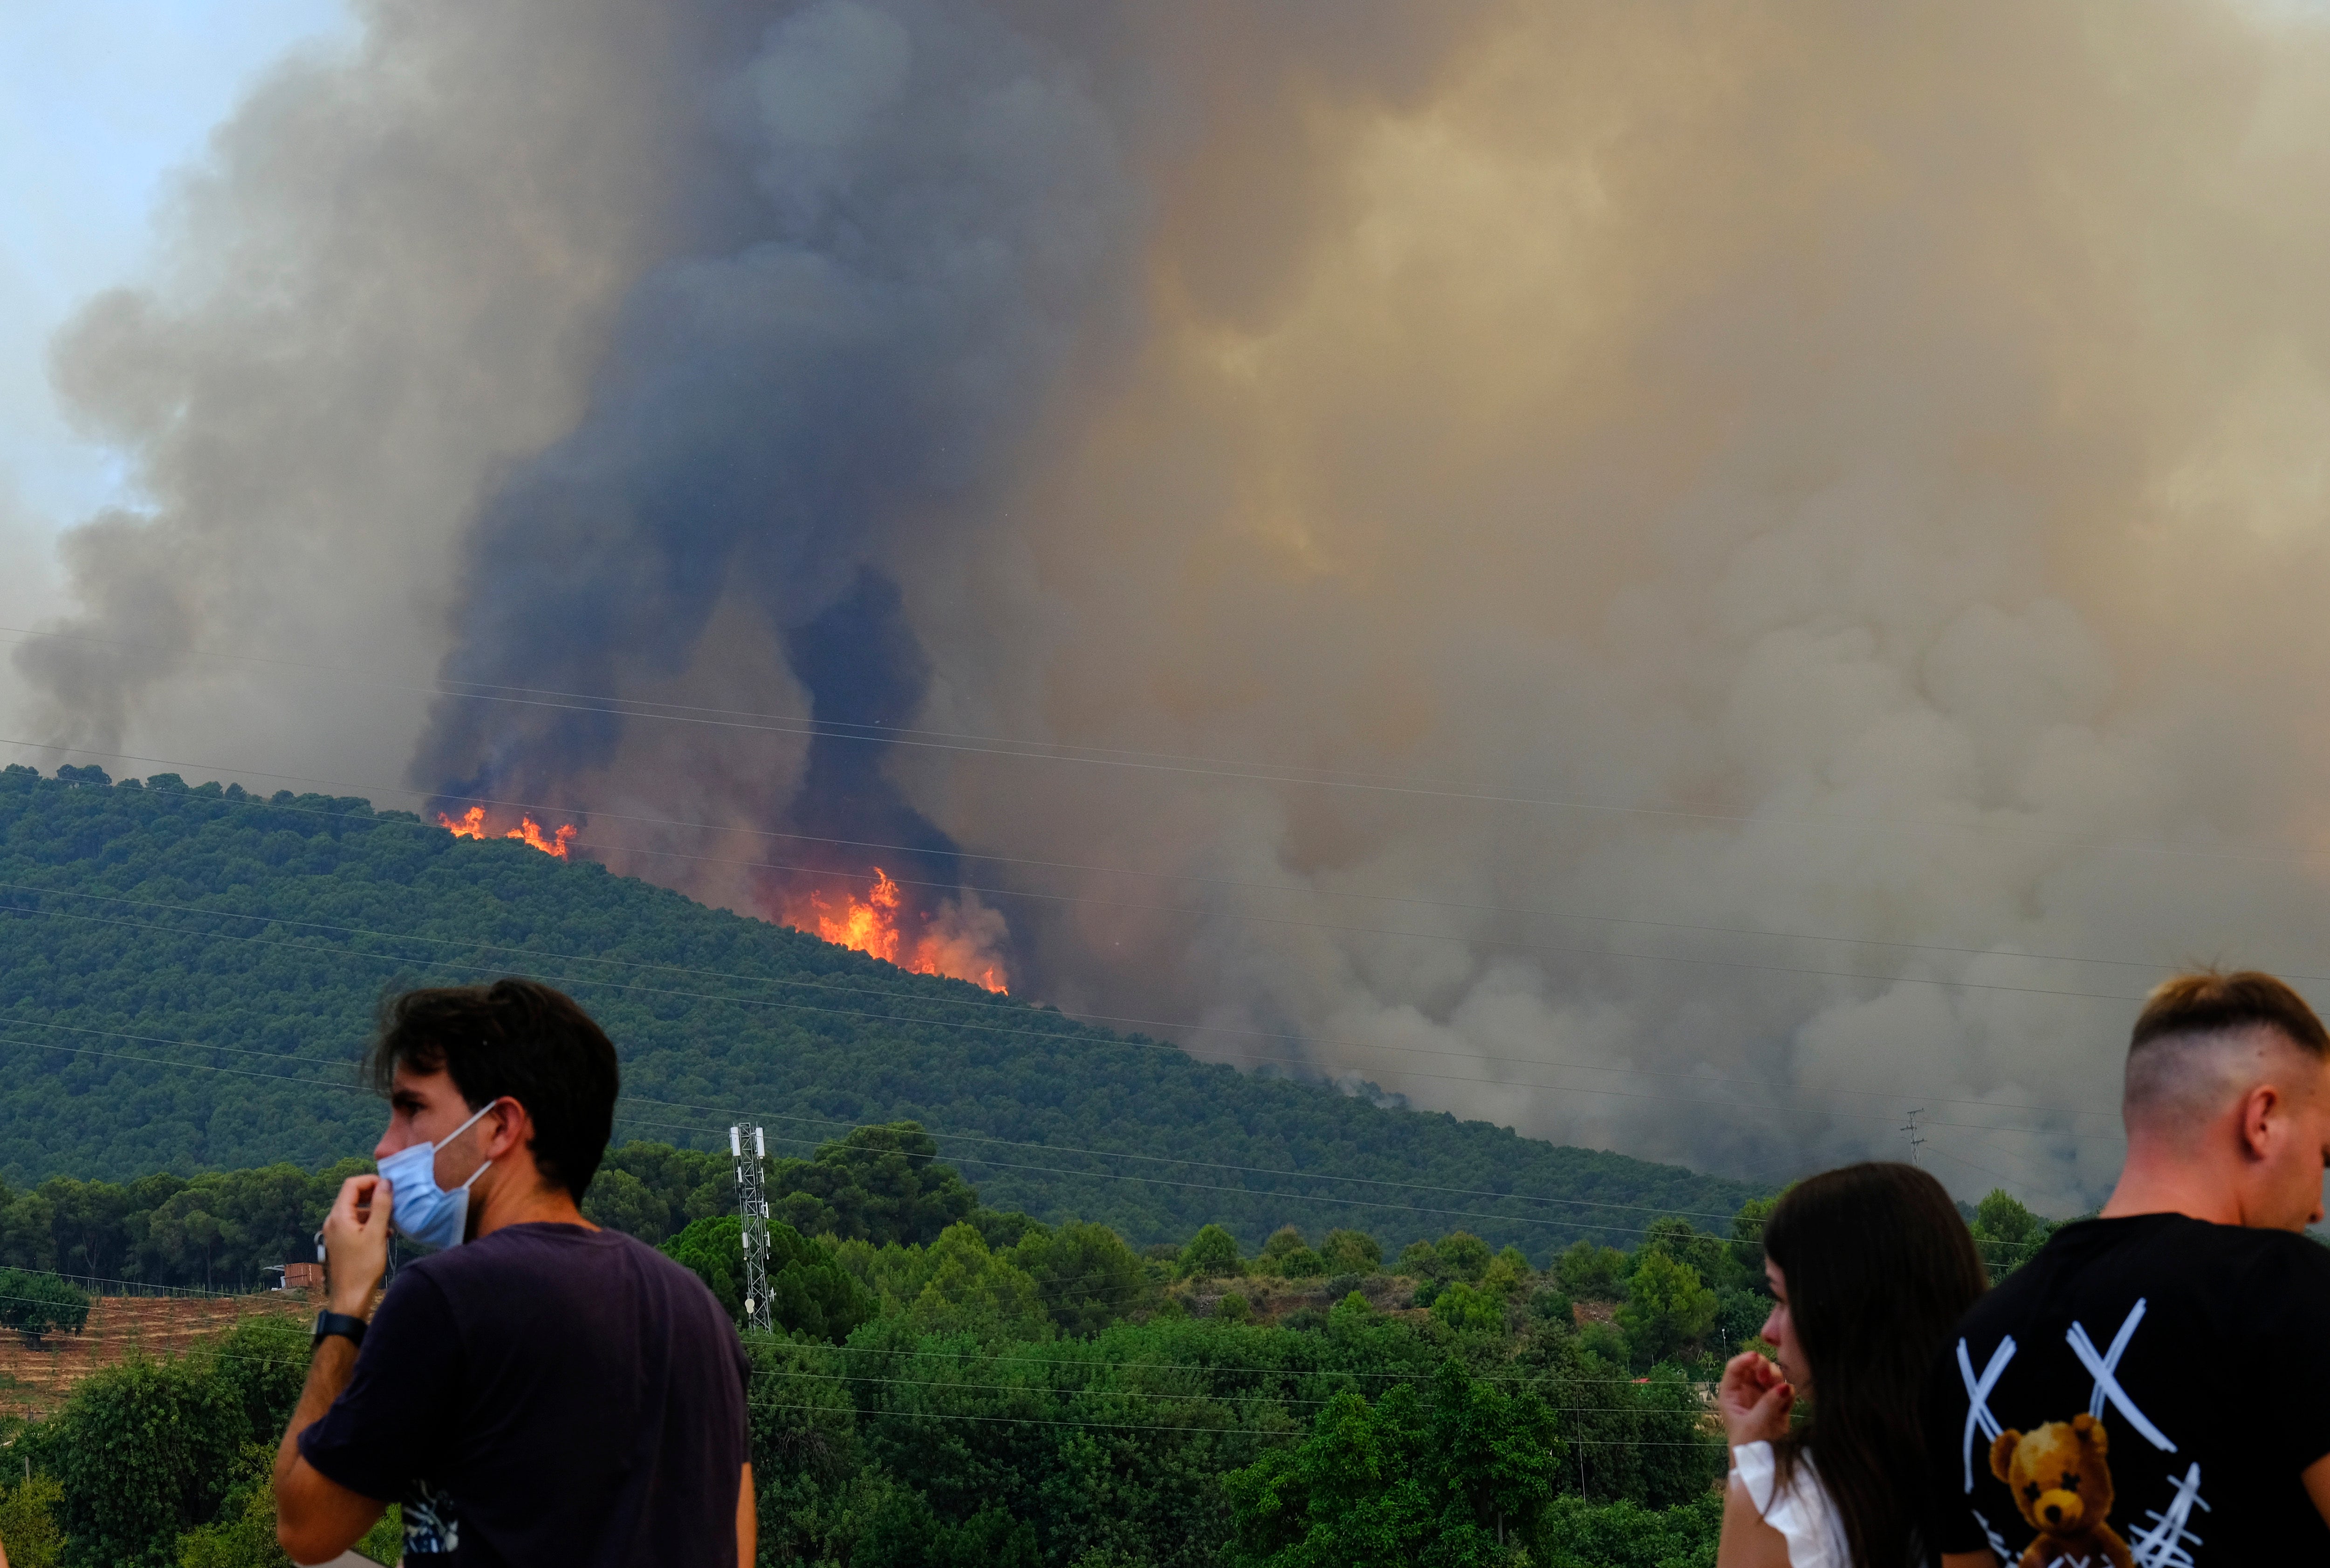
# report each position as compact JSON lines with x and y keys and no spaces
{"x":514,"y":1038}
{"x":2212,"y":1002}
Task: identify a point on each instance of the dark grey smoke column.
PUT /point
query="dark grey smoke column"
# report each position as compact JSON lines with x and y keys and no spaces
{"x":866,"y":674}
{"x":905,"y":215}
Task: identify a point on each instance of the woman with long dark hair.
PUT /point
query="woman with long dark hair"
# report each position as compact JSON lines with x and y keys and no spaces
{"x":1871,"y":1268}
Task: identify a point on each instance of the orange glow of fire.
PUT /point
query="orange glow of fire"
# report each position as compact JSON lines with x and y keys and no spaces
{"x":870,"y":925}
{"x":471,"y":824}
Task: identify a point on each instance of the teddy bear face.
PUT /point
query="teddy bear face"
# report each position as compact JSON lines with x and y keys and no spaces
{"x":2057,"y":1473}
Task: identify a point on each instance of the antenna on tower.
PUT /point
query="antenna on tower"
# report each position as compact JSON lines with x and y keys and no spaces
{"x":1910,"y":1127}
{"x":752,"y":1209}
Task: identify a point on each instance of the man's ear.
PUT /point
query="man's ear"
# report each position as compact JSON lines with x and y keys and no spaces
{"x":2261,"y":1108}
{"x":513,"y":1128}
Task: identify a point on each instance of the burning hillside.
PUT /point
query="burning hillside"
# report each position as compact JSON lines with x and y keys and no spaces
{"x":927,"y":943}
{"x":471,"y":824}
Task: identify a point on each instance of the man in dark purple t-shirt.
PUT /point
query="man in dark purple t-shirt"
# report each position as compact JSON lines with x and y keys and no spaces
{"x":540,"y":1390}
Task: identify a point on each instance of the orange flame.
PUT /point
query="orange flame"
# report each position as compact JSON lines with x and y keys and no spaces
{"x":471,"y":824}
{"x":870,"y":925}
{"x":530,"y":832}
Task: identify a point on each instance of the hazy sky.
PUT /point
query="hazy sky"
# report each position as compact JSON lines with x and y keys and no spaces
{"x":1686,"y":578}
{"x":99,"y":102}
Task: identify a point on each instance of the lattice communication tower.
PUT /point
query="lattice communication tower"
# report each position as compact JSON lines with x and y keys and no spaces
{"x":752,"y":1208}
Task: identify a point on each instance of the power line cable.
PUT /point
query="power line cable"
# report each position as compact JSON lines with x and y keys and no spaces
{"x":1493,"y":943}
{"x":985,"y":1004}
{"x":1464,"y":906}
{"x":628,"y":1099}
{"x":256,"y":1305}
{"x":1947,"y":1152}
{"x":1569,"y":1223}
{"x":960,"y":1138}
{"x":583,"y":957}
{"x":1564,"y":1222}
{"x":1384,"y":1049}
{"x":863,"y":1016}
{"x":1572,"y":1224}
{"x":1103,"y":1017}
{"x":940,"y":1132}
{"x":1098,"y":1176}
{"x":159,"y":1061}
{"x":976,"y":1002}
{"x":1168,"y":763}
{"x":1199,"y":1366}
{"x":1048,"y":1392}
{"x":1117,"y":1391}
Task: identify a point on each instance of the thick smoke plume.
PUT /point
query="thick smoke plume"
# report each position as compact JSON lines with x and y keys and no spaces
{"x":1692,"y":578}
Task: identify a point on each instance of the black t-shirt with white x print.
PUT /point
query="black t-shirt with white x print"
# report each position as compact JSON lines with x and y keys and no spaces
{"x":2143,"y":1394}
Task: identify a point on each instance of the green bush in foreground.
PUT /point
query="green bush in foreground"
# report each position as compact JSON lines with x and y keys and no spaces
{"x":146,"y":1451}
{"x":1445,"y":1475}
{"x":28,"y":1523}
{"x":243,"y":1536}
{"x":1576,"y":1533}
{"x":1009,"y":1391}
{"x":960,"y":1426}
{"x":142,"y":1452}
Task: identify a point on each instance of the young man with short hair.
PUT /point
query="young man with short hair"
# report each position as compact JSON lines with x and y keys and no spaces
{"x":539,"y":1391}
{"x":2154,"y":1386}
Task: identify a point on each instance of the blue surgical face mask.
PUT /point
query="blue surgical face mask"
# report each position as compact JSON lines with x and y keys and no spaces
{"x":418,"y":1206}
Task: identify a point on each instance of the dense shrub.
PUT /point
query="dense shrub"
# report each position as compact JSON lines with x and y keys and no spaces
{"x":1212,"y":1254}
{"x":1350,"y":1252}
{"x":1668,"y":1307}
{"x":144,"y":1451}
{"x":1593,"y":1272}
{"x":1048,"y":1402}
{"x":39,"y":1305}
{"x":1441,"y":1474}
{"x":1288,"y":1257}
{"x":809,"y":1291}
{"x":28,"y":1522}
{"x":1085,"y":1276}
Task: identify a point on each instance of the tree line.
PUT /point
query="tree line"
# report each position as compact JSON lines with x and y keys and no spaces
{"x":882,"y":1184}
{"x":951,"y":1383}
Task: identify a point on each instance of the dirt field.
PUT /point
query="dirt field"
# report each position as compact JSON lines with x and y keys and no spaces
{"x":37,"y":1382}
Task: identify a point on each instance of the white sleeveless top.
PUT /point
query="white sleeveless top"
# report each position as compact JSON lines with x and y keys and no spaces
{"x":1802,"y":1515}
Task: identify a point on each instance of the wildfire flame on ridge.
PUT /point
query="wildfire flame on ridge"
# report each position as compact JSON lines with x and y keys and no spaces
{"x":870,"y":925}
{"x":471,"y":824}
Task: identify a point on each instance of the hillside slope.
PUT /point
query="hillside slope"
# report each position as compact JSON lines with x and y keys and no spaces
{"x":187,"y":974}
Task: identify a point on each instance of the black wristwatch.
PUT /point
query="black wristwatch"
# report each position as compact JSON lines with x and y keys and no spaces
{"x":340,"y":1323}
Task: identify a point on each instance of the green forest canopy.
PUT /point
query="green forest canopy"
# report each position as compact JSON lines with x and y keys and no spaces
{"x":190,"y":973}
{"x":951,"y":1385}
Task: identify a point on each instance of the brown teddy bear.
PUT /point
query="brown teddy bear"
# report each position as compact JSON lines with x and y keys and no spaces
{"x":2060,"y":1482}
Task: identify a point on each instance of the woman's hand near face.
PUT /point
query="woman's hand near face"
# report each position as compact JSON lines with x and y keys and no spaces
{"x":1754,"y":1400}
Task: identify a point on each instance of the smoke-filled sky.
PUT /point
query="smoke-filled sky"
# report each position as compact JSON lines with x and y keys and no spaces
{"x":100,"y":105}
{"x":1691,"y":578}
